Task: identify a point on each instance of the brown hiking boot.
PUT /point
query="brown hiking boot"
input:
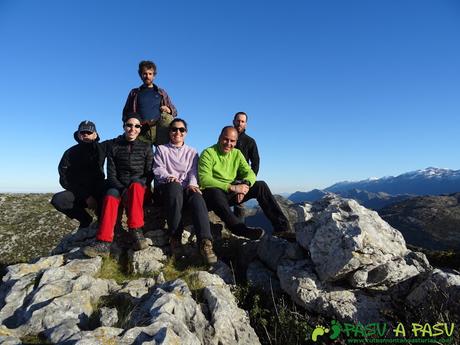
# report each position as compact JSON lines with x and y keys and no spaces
{"x":98,"y":248}
{"x":207,"y":252}
{"x":139,"y":241}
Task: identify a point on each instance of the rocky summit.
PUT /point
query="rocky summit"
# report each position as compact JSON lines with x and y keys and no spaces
{"x":343,"y":263}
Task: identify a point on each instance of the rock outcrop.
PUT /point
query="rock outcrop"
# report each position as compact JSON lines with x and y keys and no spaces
{"x":345,"y":263}
{"x":59,"y":297}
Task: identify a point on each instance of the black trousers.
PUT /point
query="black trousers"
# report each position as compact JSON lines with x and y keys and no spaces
{"x":177,"y":200}
{"x":219,"y":201}
{"x":74,"y":207}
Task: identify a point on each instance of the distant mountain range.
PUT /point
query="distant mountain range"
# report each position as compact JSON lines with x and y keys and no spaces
{"x":431,"y":222}
{"x":380,"y":192}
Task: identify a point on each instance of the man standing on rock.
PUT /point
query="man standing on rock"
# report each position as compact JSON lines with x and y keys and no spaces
{"x":152,"y":104}
{"x":227,"y":180}
{"x":248,"y":148}
{"x":81,"y":174}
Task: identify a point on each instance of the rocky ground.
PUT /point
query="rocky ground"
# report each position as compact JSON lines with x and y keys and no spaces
{"x":345,"y":266}
{"x":29,"y":227}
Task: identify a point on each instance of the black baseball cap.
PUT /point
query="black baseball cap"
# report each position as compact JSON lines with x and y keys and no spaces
{"x":87,"y":126}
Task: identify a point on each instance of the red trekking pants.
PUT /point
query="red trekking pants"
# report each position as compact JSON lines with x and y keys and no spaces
{"x":133,"y":201}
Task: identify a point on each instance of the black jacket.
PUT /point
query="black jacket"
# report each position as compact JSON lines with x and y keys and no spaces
{"x":127,"y":162}
{"x":81,"y":169}
{"x":248,"y":147}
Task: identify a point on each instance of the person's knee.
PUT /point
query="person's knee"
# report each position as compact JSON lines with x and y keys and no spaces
{"x":113,"y":192}
{"x":138,"y":181}
{"x":63,"y":200}
{"x":196,"y":199}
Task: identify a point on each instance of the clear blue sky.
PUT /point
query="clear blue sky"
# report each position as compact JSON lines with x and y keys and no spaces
{"x":334,"y":90}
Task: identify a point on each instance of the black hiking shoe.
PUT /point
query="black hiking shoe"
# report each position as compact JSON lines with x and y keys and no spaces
{"x":98,"y":248}
{"x":207,"y":252}
{"x":248,"y":231}
{"x":139,"y":241}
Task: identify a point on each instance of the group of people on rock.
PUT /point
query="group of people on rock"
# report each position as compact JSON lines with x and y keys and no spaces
{"x":224,"y":175}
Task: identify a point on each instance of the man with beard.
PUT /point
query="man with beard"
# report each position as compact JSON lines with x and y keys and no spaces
{"x":248,"y":148}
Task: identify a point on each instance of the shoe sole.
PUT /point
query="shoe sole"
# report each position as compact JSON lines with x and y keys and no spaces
{"x":92,"y":254}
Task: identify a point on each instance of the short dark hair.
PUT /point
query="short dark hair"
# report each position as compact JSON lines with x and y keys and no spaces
{"x":240,"y":113}
{"x":147,"y":65}
{"x":225,"y":128}
{"x":178,"y":120}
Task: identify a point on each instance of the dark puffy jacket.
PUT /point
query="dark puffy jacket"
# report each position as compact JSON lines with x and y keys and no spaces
{"x":81,"y":169}
{"x":248,"y":147}
{"x":128,"y":161}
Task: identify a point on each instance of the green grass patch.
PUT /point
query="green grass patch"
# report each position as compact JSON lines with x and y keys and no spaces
{"x":118,"y":271}
{"x":276,"y":319}
{"x":34,"y":339}
{"x":183,"y":269}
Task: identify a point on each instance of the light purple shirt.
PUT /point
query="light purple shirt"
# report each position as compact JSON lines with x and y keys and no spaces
{"x":180,"y":162}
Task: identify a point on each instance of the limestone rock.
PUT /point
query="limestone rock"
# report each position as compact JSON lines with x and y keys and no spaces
{"x":137,"y":288}
{"x":438,"y":295}
{"x":347,"y":240}
{"x":108,"y":316}
{"x":299,"y":280}
{"x":168,"y":307}
{"x":258,"y":275}
{"x":146,"y":261}
{"x":221,"y":269}
{"x":271,"y":250}
{"x":20,"y":270}
{"x":231,"y":324}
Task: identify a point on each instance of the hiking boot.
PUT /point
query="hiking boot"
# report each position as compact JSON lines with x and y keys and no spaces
{"x":247,"y":231}
{"x":139,"y":241}
{"x":254,"y":233}
{"x":207,"y":252}
{"x":287,"y":235}
{"x":98,"y":248}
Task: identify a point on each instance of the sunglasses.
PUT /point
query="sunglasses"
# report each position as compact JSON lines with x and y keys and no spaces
{"x":175,"y":129}
{"x":86,"y":132}
{"x":131,"y":125}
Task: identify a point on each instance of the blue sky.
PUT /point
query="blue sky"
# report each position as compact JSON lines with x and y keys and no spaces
{"x":334,"y":90}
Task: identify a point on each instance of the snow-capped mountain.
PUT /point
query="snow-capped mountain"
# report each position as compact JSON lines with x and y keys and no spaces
{"x":429,"y":181}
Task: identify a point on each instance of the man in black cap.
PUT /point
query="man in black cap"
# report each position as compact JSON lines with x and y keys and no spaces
{"x":81,"y":174}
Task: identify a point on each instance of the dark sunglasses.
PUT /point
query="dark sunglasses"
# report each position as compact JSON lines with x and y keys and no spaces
{"x":175,"y":129}
{"x":86,"y":132}
{"x":131,"y":125}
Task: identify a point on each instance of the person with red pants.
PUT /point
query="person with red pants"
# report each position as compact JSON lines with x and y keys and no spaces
{"x":129,"y":164}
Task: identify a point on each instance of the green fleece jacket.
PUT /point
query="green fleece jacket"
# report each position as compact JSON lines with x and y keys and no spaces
{"x":219,"y":170}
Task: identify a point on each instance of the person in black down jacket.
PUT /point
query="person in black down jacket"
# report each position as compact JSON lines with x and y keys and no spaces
{"x":81,"y":174}
{"x":247,"y":145}
{"x":129,"y":164}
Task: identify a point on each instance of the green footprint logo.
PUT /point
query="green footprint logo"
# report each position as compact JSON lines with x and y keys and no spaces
{"x":318,"y":331}
{"x":336,"y":329}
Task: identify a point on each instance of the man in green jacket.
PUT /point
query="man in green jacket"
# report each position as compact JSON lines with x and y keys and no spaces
{"x":227,"y":179}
